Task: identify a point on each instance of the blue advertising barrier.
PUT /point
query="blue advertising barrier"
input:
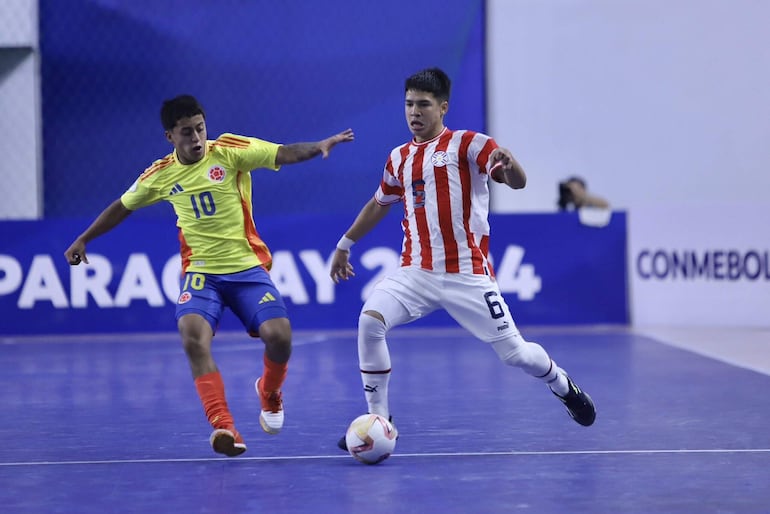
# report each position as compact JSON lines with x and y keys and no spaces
{"x":551,"y":269}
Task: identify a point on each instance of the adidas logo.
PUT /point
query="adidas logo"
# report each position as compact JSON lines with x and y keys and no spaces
{"x":176,"y":189}
{"x":267,"y":298}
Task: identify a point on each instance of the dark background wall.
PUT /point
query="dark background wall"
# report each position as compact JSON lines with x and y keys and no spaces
{"x":282,"y":71}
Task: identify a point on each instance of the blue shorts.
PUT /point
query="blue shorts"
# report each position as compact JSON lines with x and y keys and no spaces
{"x":250,"y":294}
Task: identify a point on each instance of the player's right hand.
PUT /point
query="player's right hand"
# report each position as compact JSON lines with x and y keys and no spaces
{"x":343,"y":137}
{"x":341,"y":267}
{"x":76,"y":253}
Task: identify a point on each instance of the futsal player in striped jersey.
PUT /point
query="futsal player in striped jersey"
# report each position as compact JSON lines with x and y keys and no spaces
{"x":224,"y":261}
{"x":441,"y":177}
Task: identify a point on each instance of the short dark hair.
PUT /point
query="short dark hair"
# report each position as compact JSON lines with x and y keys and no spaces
{"x":565,"y":193}
{"x":431,"y":80}
{"x":183,"y":106}
{"x":579,"y":180}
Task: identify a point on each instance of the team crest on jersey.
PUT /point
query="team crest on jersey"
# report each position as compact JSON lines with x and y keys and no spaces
{"x":184,"y":298}
{"x":217,"y":173}
{"x":439,"y":158}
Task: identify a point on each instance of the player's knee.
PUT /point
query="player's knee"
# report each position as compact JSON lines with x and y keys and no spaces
{"x":511,"y":351}
{"x":371,"y":325}
{"x":196,"y":336}
{"x":276,"y":332}
{"x":530,"y":357}
{"x":196,"y":345}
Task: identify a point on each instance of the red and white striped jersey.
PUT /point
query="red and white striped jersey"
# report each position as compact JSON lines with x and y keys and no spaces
{"x":443,"y":184}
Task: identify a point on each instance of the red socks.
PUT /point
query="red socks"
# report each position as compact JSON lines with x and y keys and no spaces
{"x":211,"y":390}
{"x":274,"y":375}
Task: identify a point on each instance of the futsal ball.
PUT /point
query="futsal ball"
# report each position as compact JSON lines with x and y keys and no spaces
{"x":371,"y":438}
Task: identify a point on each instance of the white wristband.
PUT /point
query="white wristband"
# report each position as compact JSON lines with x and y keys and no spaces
{"x":345,"y":243}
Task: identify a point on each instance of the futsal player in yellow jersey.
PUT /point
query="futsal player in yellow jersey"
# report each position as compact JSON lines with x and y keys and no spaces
{"x":224,"y":261}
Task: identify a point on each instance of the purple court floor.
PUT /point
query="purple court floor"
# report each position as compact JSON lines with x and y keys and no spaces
{"x":112,"y":424}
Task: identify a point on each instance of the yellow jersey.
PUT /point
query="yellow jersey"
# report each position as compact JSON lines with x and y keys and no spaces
{"x":212,"y":202}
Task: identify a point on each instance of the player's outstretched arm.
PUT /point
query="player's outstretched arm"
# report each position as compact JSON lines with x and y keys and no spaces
{"x":106,"y":221}
{"x":298,"y":152}
{"x":506,"y":170}
{"x":367,"y":219}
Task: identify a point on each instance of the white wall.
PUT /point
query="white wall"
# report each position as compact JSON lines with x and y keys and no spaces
{"x":653,"y":101}
{"x":664,"y":107}
{"x":20,"y":134}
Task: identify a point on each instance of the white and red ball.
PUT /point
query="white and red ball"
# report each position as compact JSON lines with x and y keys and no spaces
{"x":371,"y":438}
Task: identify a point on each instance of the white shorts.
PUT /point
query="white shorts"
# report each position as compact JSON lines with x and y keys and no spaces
{"x":474,"y":301}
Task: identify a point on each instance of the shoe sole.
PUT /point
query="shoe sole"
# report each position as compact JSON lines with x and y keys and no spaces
{"x":223,"y":441}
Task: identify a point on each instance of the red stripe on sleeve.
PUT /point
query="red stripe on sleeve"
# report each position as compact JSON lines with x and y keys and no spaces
{"x":483,"y":158}
{"x":160,"y":165}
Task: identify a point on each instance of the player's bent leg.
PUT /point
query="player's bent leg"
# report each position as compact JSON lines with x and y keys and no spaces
{"x":196,"y":334}
{"x":534,"y":360}
{"x":276,"y":334}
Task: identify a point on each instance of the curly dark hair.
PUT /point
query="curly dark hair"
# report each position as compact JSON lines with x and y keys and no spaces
{"x":182,"y":106}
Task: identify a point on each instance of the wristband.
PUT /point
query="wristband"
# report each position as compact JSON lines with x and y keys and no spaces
{"x":345,"y":243}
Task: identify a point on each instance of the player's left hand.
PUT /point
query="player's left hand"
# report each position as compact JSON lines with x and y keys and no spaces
{"x":341,"y":267}
{"x":503,"y":157}
{"x":504,"y":169}
{"x":76,"y":253}
{"x":500,"y":160}
{"x":343,"y":137}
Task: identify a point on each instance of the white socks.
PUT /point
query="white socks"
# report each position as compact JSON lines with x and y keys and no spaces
{"x":374,"y":361}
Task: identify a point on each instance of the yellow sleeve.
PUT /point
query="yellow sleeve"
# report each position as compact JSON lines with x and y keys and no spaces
{"x":142,"y":193}
{"x":248,"y":153}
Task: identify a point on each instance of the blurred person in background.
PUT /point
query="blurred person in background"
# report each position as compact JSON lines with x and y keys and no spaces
{"x":441,"y":176}
{"x":225,"y":263}
{"x":573,"y":193}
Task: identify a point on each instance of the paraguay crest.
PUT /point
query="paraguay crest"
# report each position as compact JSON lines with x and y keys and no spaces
{"x":217,"y":173}
{"x":184,"y":298}
{"x":439,"y":158}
